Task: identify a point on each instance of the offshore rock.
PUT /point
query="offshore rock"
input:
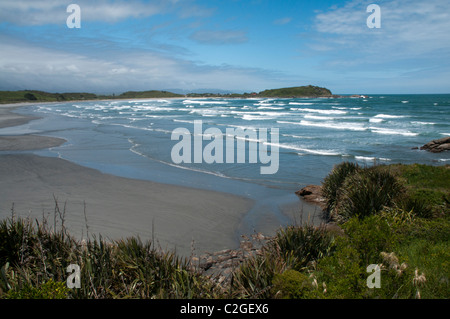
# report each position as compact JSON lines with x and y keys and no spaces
{"x":437,"y":146}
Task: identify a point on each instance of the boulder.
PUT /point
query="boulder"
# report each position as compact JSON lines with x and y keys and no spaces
{"x":437,"y":146}
{"x":312,"y":194}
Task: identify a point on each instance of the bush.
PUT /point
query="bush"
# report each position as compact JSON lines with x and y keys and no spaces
{"x":301,"y":245}
{"x":367,"y":242}
{"x":30,"y":97}
{"x":48,"y":290}
{"x":366,"y":193}
{"x":292,"y":248}
{"x":292,"y":284}
{"x":332,"y":183}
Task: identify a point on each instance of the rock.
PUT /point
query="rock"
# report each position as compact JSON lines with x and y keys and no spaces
{"x":246,"y":245}
{"x":312,"y":194}
{"x":219,"y":266}
{"x":437,"y":146}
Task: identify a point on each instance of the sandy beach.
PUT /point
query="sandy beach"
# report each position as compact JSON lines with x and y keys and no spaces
{"x":177,"y":217}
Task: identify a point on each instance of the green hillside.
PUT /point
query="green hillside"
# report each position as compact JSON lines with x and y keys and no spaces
{"x":40,"y":96}
{"x":300,"y":91}
{"x":147,"y":94}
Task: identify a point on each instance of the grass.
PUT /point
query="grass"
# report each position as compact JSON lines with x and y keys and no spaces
{"x":410,"y":247}
{"x":34,"y":255}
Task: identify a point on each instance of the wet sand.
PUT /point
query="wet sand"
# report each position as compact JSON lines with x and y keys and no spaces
{"x":95,"y":203}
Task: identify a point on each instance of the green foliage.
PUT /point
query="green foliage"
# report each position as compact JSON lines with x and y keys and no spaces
{"x":292,"y":284}
{"x":412,"y":252}
{"x":40,"y":96}
{"x":302,"y":245}
{"x":291,"y":248}
{"x":48,"y":290}
{"x":427,"y":188}
{"x":344,"y":272}
{"x":367,"y":192}
{"x":253,"y":279}
{"x":30,"y":96}
{"x":369,"y":237}
{"x":354,"y":191}
{"x":332,"y":183}
{"x":301,"y":91}
{"x":33,"y":256}
{"x":148,"y":94}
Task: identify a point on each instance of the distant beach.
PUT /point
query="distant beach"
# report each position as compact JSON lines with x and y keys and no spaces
{"x":176,"y":217}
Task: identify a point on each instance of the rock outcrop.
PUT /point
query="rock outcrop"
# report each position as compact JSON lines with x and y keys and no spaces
{"x":220,"y":265}
{"x":437,"y":146}
{"x":312,"y":194}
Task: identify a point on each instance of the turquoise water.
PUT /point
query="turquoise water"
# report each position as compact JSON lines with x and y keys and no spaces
{"x":133,"y":138}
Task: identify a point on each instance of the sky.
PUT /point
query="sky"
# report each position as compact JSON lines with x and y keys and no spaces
{"x":225,"y":45}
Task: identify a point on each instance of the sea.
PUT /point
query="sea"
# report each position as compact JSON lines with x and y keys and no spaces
{"x":135,"y":139}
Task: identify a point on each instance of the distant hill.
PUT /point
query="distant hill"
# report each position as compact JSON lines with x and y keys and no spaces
{"x":40,"y":96}
{"x":147,"y":94}
{"x":299,"y":91}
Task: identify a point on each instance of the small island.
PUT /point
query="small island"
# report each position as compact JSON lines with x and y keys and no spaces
{"x":300,"y":91}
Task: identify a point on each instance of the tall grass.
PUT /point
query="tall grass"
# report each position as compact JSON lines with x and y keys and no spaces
{"x":292,"y":248}
{"x":367,"y":192}
{"x":333,"y":182}
{"x":33,"y":256}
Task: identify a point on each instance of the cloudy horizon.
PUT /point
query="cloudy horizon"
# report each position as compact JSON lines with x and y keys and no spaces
{"x":233,"y":45}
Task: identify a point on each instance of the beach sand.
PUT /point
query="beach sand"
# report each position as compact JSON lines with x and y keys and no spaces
{"x":176,"y":217}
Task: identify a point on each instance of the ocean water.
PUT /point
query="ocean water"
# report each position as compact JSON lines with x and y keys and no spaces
{"x":132,"y":138}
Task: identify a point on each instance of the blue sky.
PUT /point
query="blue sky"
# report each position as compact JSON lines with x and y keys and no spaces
{"x":233,"y":45}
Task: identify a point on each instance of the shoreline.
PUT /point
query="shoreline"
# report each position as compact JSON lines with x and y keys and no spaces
{"x":178,"y":218}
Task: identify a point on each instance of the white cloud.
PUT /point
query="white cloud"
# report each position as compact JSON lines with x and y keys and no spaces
{"x":409,"y":30}
{"x":33,"y":12}
{"x":25,"y":66}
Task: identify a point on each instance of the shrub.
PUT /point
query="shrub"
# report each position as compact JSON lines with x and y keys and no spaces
{"x":292,"y":248}
{"x":292,"y":284}
{"x":367,"y":192}
{"x":48,"y":290}
{"x":333,"y":182}
{"x":30,"y":96}
{"x":302,"y":245}
{"x":254,"y":278}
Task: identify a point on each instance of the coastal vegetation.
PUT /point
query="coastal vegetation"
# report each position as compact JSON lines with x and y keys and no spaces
{"x":395,"y":217}
{"x":300,"y":91}
{"x":40,"y":96}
